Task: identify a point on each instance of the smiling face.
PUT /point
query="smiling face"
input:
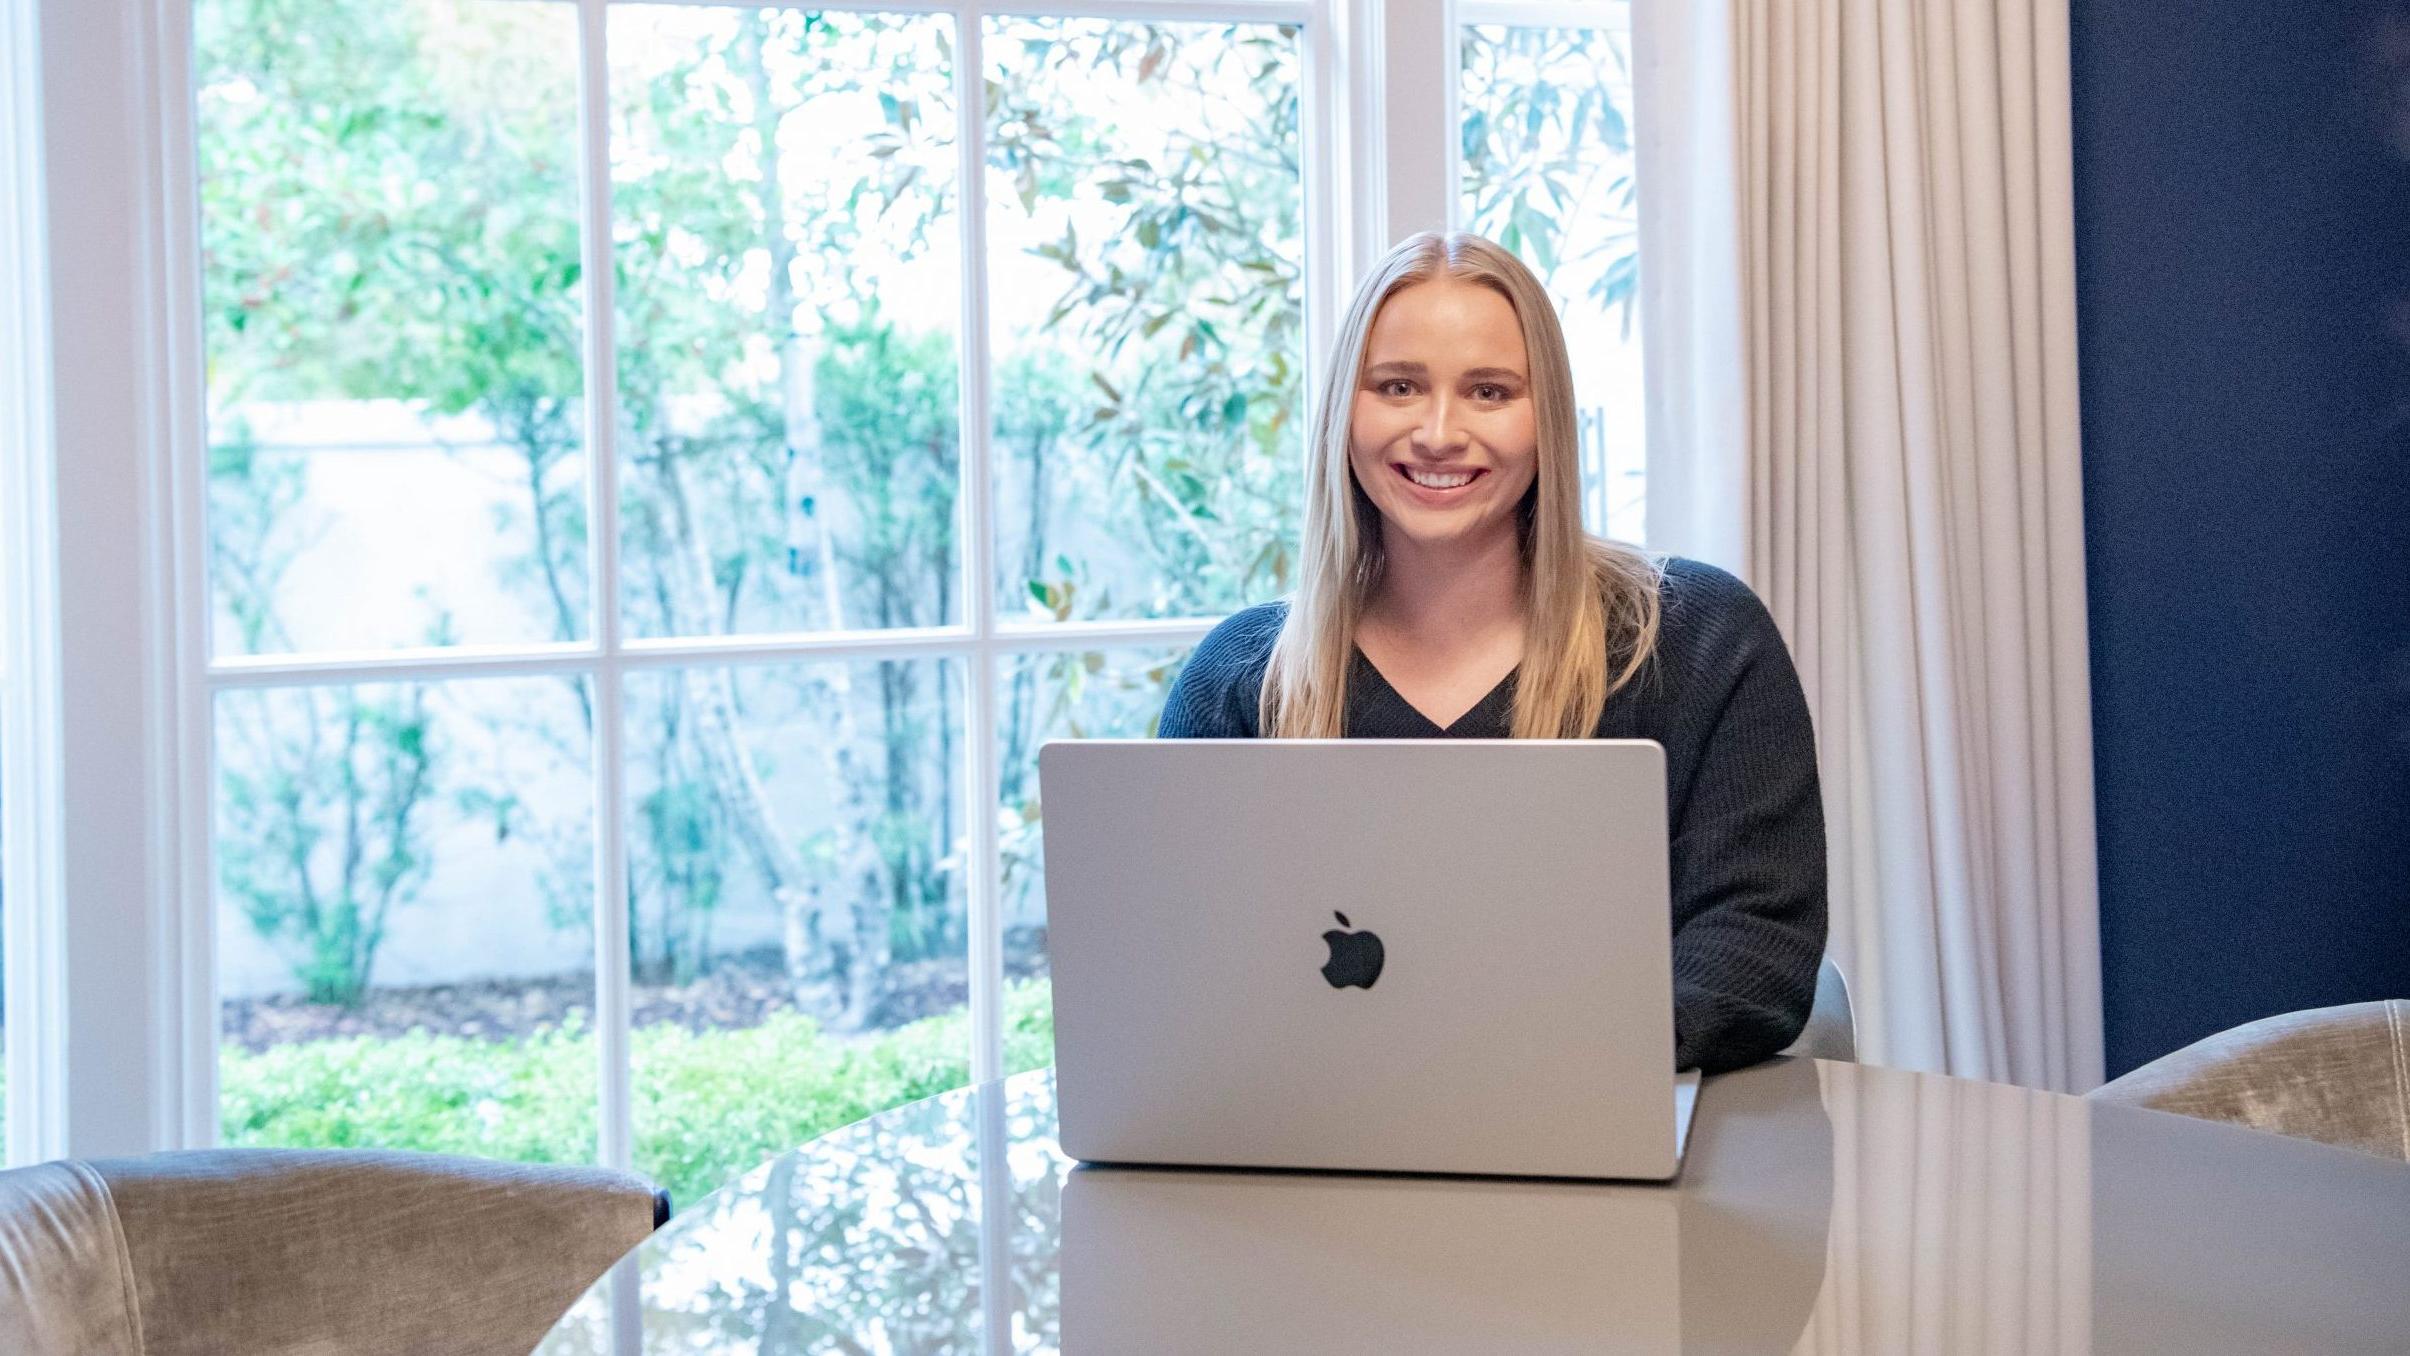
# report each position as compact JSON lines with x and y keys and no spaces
{"x":1443,"y":436}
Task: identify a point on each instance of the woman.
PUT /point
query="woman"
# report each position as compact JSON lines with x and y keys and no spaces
{"x":1448,"y":590}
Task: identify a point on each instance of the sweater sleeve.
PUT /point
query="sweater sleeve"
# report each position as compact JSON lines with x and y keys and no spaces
{"x":1215,"y":695}
{"x":1747,"y":841}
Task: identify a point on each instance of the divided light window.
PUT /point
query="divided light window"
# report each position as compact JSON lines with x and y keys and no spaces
{"x":501,"y":705}
{"x":670,"y":466}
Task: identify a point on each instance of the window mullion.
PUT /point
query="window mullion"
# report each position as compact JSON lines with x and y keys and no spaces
{"x":1334,"y":181}
{"x":986,"y":924}
{"x":1417,"y":50}
{"x":426,"y":665}
{"x":1546,"y":13}
{"x":1131,"y":11}
{"x":983,"y":852}
{"x":35,"y":986}
{"x":189,"y":1045}
{"x":612,"y":977}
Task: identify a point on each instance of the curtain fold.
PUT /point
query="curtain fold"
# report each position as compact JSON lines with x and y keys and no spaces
{"x":1857,"y":301}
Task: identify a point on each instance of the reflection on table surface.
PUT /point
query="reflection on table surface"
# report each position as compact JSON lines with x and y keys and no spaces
{"x":1823,"y":1208}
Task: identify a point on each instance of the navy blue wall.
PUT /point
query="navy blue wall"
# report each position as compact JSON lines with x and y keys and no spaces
{"x":2242,"y":229}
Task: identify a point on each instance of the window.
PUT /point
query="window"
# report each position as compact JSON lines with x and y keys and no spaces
{"x":1547,"y":172}
{"x":447,"y":650}
{"x":663,"y":469}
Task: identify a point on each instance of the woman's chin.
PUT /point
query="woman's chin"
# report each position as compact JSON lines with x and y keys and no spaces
{"x":1442,"y":529}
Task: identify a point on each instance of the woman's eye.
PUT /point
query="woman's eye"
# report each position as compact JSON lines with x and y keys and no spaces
{"x":1397,"y":388}
{"x":1490,"y":392}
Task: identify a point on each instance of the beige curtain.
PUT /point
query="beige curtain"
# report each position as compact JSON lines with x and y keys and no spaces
{"x":1858,"y":306}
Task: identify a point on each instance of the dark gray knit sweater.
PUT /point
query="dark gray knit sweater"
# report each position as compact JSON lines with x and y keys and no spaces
{"x":1742,"y":805}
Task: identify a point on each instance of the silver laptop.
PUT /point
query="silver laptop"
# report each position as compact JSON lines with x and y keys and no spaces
{"x":1176,"y":1262}
{"x":1431,"y":956}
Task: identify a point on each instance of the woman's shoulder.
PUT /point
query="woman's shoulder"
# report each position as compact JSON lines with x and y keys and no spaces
{"x":1215,"y":695}
{"x":1697,"y":594}
{"x":1695,"y":585}
{"x":1243,"y":640}
{"x":1709,"y":619}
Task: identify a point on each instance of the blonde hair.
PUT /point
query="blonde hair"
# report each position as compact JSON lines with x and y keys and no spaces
{"x":1593,"y":603}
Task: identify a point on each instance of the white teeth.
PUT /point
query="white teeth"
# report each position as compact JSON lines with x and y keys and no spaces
{"x":1433,"y":481}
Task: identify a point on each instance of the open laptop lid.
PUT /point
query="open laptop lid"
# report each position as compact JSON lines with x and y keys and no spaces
{"x":1400,"y":956}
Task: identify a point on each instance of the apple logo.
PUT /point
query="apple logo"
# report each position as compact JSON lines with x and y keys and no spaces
{"x":1356,"y":957}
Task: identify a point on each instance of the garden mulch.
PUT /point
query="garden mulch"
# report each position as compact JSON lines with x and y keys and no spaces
{"x":742,"y":990}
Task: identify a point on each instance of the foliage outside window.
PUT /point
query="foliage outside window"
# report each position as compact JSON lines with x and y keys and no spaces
{"x":393,"y":280}
{"x":1547,"y":156}
{"x":394,"y":296}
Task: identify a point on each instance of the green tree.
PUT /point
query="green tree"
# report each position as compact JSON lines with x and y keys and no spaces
{"x":1547,"y":155}
{"x":324,"y":834}
{"x":1182,"y":308}
{"x":819,"y":492}
{"x":390,"y":206}
{"x":331,"y":271}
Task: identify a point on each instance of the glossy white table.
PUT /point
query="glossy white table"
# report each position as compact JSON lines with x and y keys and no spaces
{"x":1823,"y":1208}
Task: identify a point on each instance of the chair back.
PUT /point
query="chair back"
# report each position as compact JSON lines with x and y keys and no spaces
{"x":1832,"y":1028}
{"x":292,"y":1251}
{"x":2337,"y":1075}
{"x":63,"y":1281}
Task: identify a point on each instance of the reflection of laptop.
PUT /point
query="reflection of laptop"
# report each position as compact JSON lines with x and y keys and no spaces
{"x":1174,"y":1262}
{"x":1446,"y":956}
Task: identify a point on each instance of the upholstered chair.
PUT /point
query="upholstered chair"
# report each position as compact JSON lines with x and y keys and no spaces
{"x":269,"y":1252}
{"x":2336,"y":1075}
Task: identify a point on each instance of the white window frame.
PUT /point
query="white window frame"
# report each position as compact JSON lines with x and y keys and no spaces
{"x":112,"y":993}
{"x":28,"y":847}
{"x":100,"y":1058}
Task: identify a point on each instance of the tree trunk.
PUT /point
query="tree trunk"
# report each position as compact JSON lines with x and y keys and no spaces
{"x":1033,"y":562}
{"x":807,"y":908}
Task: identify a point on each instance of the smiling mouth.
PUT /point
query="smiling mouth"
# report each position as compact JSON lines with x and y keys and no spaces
{"x":1440,"y":480}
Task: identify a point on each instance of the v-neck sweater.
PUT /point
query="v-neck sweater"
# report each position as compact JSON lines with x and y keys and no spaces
{"x":1744,"y":814}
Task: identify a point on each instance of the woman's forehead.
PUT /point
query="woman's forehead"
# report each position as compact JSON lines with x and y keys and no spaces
{"x":1445,"y":322}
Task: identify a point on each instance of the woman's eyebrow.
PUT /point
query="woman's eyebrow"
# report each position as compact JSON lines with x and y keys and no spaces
{"x":1402,"y":368}
{"x":1493,"y":374}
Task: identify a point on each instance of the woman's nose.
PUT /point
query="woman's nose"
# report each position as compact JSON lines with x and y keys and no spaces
{"x":1439,"y":431}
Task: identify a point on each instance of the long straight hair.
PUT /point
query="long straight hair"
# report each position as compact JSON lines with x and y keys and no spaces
{"x":1593,"y":604}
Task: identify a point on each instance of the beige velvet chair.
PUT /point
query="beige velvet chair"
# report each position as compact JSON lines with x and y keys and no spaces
{"x":2336,"y":1075}
{"x":267,"y":1252}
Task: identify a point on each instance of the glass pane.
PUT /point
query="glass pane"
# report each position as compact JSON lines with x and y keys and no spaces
{"x":1145,"y":263}
{"x":405,"y":918}
{"x":783,"y":199}
{"x":392,"y":309}
{"x":797,"y":905}
{"x":1109,"y":694}
{"x":1548,"y":174}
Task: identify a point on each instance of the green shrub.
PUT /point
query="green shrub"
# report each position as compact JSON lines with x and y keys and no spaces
{"x":707,"y":1107}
